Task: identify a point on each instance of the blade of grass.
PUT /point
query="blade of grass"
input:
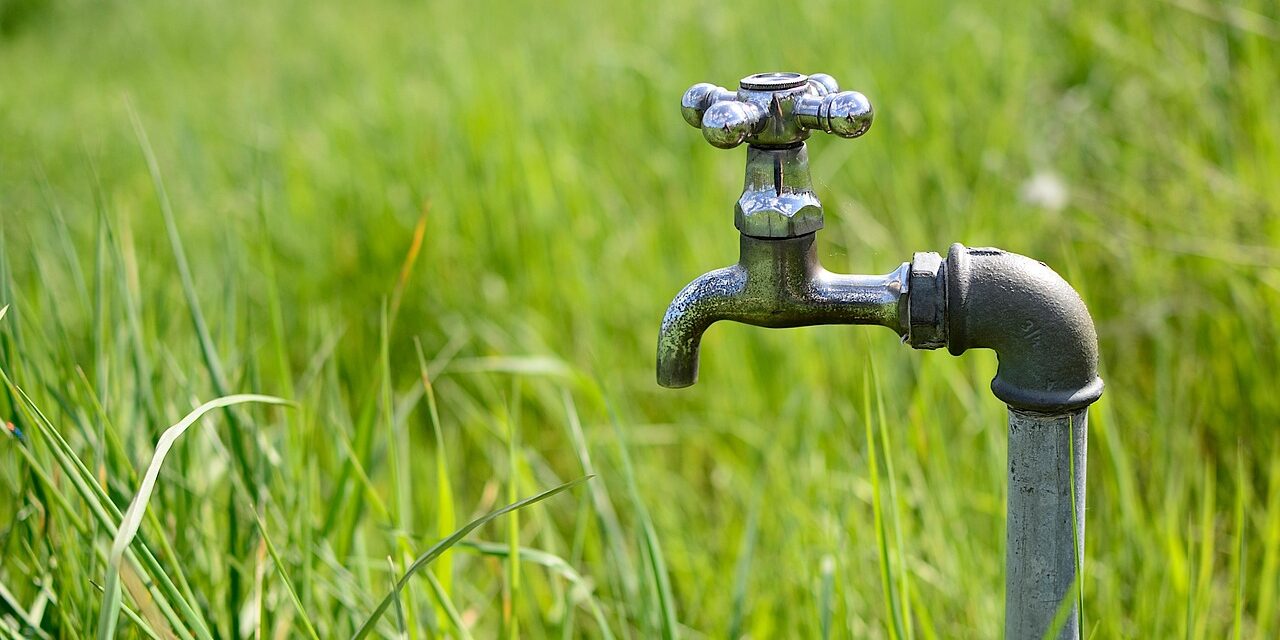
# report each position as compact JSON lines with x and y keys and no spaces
{"x":440,"y":547}
{"x":141,"y":624}
{"x":406,"y":268}
{"x":116,"y":448}
{"x":623,"y":577}
{"x":577,"y":548}
{"x":511,"y":620}
{"x":307,"y":625}
{"x":362,"y":476}
{"x":825,"y":610}
{"x":1208,"y":552}
{"x":1238,"y":569}
{"x":260,"y":613}
{"x":903,"y":609}
{"x":1077,"y":545}
{"x":399,"y":498}
{"x":52,"y":490}
{"x":127,"y":283}
{"x":657,"y":563}
{"x":100,"y":337}
{"x":106,"y":513}
{"x":65,"y":243}
{"x":925,"y":618}
{"x":365,"y":423}
{"x":1269,"y":573}
{"x":15,"y":607}
{"x":1063,"y":612}
{"x":135,"y":584}
{"x":529,"y":365}
{"x":554,"y":563}
{"x":136,"y":619}
{"x":132,"y":519}
{"x":877,"y":509}
{"x":208,"y":351}
{"x":300,"y":500}
{"x":239,"y":450}
{"x":446,"y":519}
{"x":398,"y":448}
{"x":1074,"y":596}
{"x":746,"y":552}
{"x":446,"y":604}
{"x":344,"y":499}
{"x":401,"y":632}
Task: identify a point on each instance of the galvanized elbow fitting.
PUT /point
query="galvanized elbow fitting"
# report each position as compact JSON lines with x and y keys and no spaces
{"x":1036,"y":323}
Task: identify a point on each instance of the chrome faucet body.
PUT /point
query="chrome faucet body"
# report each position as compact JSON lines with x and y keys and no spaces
{"x":777,"y":284}
{"x":778,"y":281}
{"x":974,"y":298}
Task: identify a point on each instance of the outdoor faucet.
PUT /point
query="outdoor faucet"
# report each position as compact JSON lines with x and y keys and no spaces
{"x":1036,"y":323}
{"x":778,"y":281}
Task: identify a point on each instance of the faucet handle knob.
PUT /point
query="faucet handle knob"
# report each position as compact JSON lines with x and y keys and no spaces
{"x":847,"y":114}
{"x":823,"y":83}
{"x":725,"y":121}
{"x":699,"y":98}
{"x":727,"y":124}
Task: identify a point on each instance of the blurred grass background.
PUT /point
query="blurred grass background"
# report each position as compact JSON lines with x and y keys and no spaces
{"x":1133,"y":145}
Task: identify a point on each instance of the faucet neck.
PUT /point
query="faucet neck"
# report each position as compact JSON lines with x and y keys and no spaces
{"x":777,"y":198}
{"x":779,"y":264}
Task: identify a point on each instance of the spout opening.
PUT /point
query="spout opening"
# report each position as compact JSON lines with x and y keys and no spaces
{"x":677,"y":373}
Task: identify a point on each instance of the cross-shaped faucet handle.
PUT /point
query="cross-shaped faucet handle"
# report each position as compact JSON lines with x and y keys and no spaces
{"x":775,"y":110}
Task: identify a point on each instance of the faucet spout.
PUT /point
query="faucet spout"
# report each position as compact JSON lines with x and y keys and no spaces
{"x":713,"y":296}
{"x":777,"y":283}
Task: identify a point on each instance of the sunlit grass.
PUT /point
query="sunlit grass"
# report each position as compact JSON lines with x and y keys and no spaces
{"x":446,"y":233}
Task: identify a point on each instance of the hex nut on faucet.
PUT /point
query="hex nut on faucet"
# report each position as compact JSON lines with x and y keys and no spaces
{"x":927,"y":302}
{"x":777,"y":198}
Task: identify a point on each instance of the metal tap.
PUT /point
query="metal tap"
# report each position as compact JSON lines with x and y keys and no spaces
{"x":778,"y":281}
{"x":975,"y":298}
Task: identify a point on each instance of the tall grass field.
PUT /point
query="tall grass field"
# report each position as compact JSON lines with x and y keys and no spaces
{"x":331,"y":320}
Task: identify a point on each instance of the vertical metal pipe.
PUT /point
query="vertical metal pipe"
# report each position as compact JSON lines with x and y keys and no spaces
{"x":1045,"y":536}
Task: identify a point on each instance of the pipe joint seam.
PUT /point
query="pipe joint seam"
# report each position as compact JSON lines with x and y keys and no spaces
{"x":927,"y":302}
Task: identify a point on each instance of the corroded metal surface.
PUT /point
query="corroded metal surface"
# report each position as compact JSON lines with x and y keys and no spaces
{"x":1045,"y":534}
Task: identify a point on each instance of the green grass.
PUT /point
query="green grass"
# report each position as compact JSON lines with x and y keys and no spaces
{"x":205,"y":199}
